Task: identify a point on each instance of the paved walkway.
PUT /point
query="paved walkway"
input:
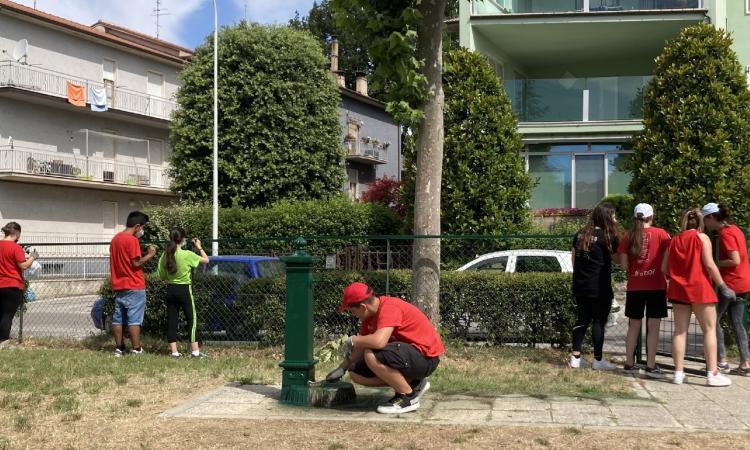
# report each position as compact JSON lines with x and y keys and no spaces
{"x":660,"y":406}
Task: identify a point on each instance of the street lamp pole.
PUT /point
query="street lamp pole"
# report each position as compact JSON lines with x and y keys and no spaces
{"x":215,"y":203}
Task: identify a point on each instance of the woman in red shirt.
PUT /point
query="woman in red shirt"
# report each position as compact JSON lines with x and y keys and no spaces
{"x":691,"y":268}
{"x":735,"y":270}
{"x":641,"y":254}
{"x":13,"y":262}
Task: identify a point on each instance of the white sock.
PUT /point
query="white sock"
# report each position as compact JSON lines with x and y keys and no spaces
{"x":679,"y":373}
{"x":175,"y":353}
{"x":196,"y":352}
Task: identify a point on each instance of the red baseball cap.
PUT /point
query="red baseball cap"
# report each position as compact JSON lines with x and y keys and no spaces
{"x":355,"y":293}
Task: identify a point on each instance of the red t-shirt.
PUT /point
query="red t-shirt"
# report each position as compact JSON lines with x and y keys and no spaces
{"x":409,"y":324}
{"x":688,"y":279}
{"x":644,"y":272}
{"x":737,"y":278}
{"x":123,"y":249}
{"x":11,"y":276}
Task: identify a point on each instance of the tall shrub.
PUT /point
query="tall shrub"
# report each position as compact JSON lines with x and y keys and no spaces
{"x":279,"y":131}
{"x":695,"y":144}
{"x":485,"y":187}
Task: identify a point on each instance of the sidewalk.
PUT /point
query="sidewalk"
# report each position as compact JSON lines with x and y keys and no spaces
{"x":660,"y":406}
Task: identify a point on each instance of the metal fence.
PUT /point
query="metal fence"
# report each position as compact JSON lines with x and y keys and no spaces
{"x":515,"y":289}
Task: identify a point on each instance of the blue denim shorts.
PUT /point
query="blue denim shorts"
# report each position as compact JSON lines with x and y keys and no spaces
{"x":130,"y":306}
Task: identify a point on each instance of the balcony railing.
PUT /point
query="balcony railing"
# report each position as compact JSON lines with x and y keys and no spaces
{"x":36,"y":79}
{"x":26,"y":161}
{"x":366,"y":152}
{"x":480,"y":7}
{"x":578,"y":99}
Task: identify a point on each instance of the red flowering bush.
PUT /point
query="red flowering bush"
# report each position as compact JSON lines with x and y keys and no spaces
{"x":385,"y":191}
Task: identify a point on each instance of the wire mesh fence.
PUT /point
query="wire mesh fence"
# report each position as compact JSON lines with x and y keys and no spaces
{"x":500,"y":289}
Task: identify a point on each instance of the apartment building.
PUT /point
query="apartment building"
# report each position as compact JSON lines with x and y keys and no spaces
{"x":371,"y":137}
{"x":575,"y":72}
{"x":84,"y":123}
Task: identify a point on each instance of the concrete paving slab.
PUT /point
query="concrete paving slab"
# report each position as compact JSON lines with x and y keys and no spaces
{"x":633,"y":416}
{"x":450,"y":404}
{"x":505,"y":417}
{"x":520,"y":404}
{"x":460,"y":416}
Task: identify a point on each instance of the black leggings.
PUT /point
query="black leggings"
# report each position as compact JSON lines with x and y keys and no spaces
{"x":594,"y":310}
{"x":180,"y":296}
{"x":10,"y":300}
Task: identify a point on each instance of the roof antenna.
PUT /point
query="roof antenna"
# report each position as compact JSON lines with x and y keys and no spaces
{"x":158,"y":12}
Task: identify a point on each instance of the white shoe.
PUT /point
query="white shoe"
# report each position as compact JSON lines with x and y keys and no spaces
{"x":679,"y":378}
{"x":718,"y":380}
{"x":602,"y":364}
{"x":576,"y":363}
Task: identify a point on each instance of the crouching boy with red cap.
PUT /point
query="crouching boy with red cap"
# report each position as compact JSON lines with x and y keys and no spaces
{"x":397,"y":346}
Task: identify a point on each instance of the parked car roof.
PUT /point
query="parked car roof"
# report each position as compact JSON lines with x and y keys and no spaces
{"x":520,"y":252}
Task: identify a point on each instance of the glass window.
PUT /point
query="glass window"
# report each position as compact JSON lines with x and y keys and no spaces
{"x":537,"y":264}
{"x":553,"y":100}
{"x":589,"y":180}
{"x":618,"y":179}
{"x":553,"y":175}
{"x":553,"y":148}
{"x":235,"y":269}
{"x":492,"y":265}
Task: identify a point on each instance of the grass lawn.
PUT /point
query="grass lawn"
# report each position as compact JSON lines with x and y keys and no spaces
{"x":56,"y":394}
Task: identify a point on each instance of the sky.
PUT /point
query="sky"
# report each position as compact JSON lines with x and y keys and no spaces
{"x":186,"y":22}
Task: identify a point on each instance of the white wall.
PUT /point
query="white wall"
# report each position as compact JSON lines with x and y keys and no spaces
{"x":82,"y":57}
{"x":59,"y":210}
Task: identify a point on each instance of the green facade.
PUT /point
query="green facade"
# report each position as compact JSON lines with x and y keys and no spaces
{"x":575,"y":71}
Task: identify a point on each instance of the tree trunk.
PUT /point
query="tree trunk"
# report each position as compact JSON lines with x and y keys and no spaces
{"x":426,"y":262}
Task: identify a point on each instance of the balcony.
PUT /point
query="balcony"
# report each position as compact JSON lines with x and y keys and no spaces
{"x":369,"y":151}
{"x":494,"y":7}
{"x":578,"y":99}
{"x":35,"y":79}
{"x":25,"y":164}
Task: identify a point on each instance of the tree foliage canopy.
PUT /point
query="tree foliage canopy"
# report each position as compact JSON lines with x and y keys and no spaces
{"x":279,"y":131}
{"x":485,"y":187}
{"x":696,"y":139}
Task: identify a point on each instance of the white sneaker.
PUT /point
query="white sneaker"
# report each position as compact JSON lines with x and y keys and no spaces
{"x":118,"y":353}
{"x":718,"y":380}
{"x":136,"y":352}
{"x":602,"y":364}
{"x":576,"y":363}
{"x":679,"y":377}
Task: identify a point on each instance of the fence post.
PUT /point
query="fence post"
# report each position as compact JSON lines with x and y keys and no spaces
{"x":20,"y":320}
{"x":387,"y":267}
{"x":298,"y":365}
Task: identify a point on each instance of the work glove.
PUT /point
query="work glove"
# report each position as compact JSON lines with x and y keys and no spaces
{"x":726,"y":294}
{"x":346,"y":348}
{"x":336,"y":374}
{"x":33,"y":253}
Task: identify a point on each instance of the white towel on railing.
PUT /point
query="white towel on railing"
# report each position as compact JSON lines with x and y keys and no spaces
{"x":98,"y":98}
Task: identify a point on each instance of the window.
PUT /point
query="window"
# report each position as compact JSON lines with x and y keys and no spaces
{"x":353,"y":184}
{"x":155,"y":84}
{"x":155,"y":151}
{"x":352,"y":138}
{"x":577,"y":175}
{"x":109,"y":71}
{"x":537,"y":264}
{"x":267,"y":269}
{"x":109,"y":217}
{"x":492,"y":265}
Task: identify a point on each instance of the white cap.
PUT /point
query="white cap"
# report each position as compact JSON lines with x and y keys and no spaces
{"x":644,"y":210}
{"x":709,"y":208}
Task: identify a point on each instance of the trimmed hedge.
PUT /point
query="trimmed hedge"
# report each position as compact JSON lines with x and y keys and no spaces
{"x":523,"y":308}
{"x":337,"y":216}
{"x":209,"y":291}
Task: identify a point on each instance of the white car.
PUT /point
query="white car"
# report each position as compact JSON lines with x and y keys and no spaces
{"x":512,"y":261}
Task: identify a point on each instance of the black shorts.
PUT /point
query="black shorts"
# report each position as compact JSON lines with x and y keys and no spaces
{"x":403,"y":357}
{"x":654,"y":302}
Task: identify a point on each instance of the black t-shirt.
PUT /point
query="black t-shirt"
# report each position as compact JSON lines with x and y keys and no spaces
{"x":592,"y":271}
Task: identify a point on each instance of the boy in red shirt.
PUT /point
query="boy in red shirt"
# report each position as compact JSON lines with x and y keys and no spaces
{"x":397,"y":346}
{"x":128,"y":283}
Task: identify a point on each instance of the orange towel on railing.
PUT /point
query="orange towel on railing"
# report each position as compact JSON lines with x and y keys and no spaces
{"x":76,"y":94}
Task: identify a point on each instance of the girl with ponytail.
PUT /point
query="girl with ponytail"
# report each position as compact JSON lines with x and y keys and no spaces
{"x":175,"y":267}
{"x":641,"y":254}
{"x":690,"y":267}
